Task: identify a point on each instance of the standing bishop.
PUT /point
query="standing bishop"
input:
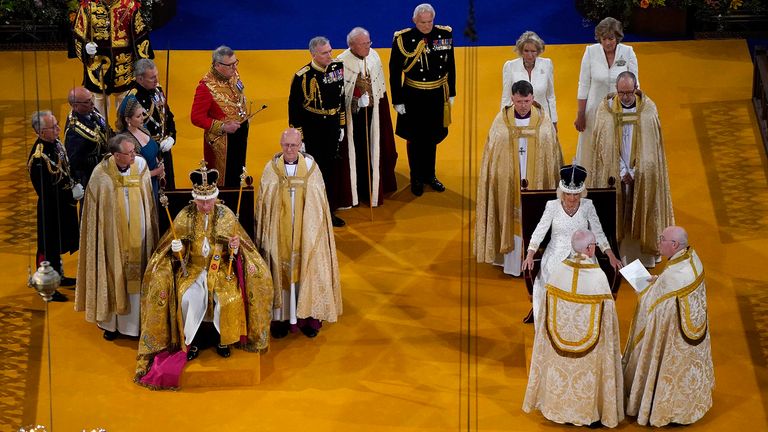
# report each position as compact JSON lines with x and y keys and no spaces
{"x":295,"y":234}
{"x":522,"y":145}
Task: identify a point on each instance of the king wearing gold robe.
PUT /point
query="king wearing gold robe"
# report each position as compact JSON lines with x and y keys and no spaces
{"x":295,"y":235}
{"x":629,"y":147}
{"x":118,"y":233}
{"x":219,"y":278}
{"x":575,"y":374}
{"x":668,"y":371}
{"x":522,"y":144}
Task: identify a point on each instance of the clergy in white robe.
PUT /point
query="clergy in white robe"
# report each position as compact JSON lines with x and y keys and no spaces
{"x":575,"y":374}
{"x":372,"y":152}
{"x":628,"y":146}
{"x":521,"y":145}
{"x":530,"y":67}
{"x":668,"y":371}
{"x":295,"y":236}
{"x":117,"y":236}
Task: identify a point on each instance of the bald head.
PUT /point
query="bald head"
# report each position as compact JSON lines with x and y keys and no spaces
{"x":582,"y":240}
{"x":673,"y":240}
{"x":290,"y":142}
{"x":81,"y":100}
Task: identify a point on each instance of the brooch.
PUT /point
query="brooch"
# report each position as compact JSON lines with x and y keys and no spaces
{"x":621,"y":62}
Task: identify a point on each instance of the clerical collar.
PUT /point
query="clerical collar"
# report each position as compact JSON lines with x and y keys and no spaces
{"x":291,"y":163}
{"x":122,"y":170}
{"x":521,"y":117}
{"x":632,"y":105}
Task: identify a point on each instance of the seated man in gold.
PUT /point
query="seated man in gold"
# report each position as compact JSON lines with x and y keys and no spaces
{"x":177,"y":296}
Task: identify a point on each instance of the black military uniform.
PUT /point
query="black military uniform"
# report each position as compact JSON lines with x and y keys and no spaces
{"x":85,"y":138}
{"x":57,"y":227}
{"x":158,"y":119}
{"x":422,"y":75}
{"x":316,"y":109}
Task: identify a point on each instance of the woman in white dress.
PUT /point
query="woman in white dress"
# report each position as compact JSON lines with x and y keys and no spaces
{"x":570,"y":212}
{"x":534,"y":69}
{"x":601,"y":65}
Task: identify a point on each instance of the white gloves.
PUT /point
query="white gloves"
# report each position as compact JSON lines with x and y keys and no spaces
{"x":400,"y":109}
{"x":341,"y":134}
{"x":363,"y":101}
{"x":166,"y":144}
{"x":91,"y":48}
{"x":451,"y":99}
{"x":176,"y":246}
{"x":77,"y":192}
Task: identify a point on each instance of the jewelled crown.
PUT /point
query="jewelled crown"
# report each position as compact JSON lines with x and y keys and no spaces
{"x":572,"y":178}
{"x":204,"y":182}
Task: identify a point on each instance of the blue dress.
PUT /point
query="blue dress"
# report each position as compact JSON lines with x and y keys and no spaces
{"x":150,"y":152}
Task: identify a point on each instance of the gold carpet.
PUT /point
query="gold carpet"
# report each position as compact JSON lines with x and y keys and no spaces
{"x":427,"y":341}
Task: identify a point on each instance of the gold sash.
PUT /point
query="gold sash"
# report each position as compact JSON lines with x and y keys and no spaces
{"x":289,"y":243}
{"x":130,"y":233}
{"x":516,"y":133}
{"x":622,"y":119}
{"x":569,"y":336}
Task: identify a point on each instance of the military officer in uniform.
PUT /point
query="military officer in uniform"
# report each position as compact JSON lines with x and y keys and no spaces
{"x":108,"y":37}
{"x":158,"y":118}
{"x":422,"y":74}
{"x":316,"y":109}
{"x":85,"y":135}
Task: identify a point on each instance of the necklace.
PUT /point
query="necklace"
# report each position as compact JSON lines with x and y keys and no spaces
{"x":570,"y":211}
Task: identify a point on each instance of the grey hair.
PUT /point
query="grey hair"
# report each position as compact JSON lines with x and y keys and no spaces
{"x":423,"y":8}
{"x":609,"y":27}
{"x":221,"y":52}
{"x":529,"y":37}
{"x":357,"y":31}
{"x":37,"y":119}
{"x":316,"y":42}
{"x":581,"y":240}
{"x":115,"y":144}
{"x":629,"y":75}
{"x":142,"y":66}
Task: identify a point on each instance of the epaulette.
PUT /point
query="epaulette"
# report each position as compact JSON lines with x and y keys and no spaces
{"x":131,"y":92}
{"x":302,"y":71}
{"x":399,"y":32}
{"x":446,"y":28}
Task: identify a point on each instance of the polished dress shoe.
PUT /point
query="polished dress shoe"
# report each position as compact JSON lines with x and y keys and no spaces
{"x":68,"y":282}
{"x":58,"y":297}
{"x":279,"y":329}
{"x":223,"y":350}
{"x":436,"y":185}
{"x":417,"y":188}
{"x":192,"y":353}
{"x":337,"y":221}
{"x":309,"y":331}
{"x":111,"y":335}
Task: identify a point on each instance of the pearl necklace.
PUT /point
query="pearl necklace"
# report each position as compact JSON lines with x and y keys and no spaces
{"x":570,"y":211}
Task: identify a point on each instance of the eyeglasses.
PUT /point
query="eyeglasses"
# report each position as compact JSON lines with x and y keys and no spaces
{"x":55,"y":126}
{"x":230,"y":65}
{"x":129,"y":153}
{"x":87,"y":102}
{"x":662,"y":239}
{"x":626,"y":93}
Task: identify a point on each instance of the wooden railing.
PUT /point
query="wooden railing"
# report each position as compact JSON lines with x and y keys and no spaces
{"x":760,"y":91}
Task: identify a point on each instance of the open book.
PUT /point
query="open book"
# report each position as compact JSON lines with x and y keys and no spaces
{"x":636,"y":274}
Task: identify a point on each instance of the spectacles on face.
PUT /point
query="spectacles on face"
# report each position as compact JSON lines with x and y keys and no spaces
{"x":53,"y":127}
{"x":626,"y":93}
{"x":662,"y":239}
{"x":131,"y":152}
{"x":85,"y":102}
{"x":290,"y":145}
{"x":230,"y":65}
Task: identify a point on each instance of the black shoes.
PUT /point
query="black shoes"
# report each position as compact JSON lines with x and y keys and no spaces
{"x":192,"y":353}
{"x":68,"y":282}
{"x":111,"y":335}
{"x":417,"y":188}
{"x":308,"y":331}
{"x":337,"y":221}
{"x":279,"y":329}
{"x":223,"y":350}
{"x":436,"y":185}
{"x":58,"y":297}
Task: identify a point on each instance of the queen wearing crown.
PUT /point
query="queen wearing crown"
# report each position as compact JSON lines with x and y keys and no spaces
{"x":189,"y":282}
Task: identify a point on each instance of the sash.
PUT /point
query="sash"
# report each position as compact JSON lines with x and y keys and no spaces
{"x":290,"y":223}
{"x":129,"y":230}
{"x":621,"y":119}
{"x":531,"y":133}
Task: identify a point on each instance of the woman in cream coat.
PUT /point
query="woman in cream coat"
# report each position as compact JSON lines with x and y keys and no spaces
{"x":601,"y":65}
{"x":534,"y":69}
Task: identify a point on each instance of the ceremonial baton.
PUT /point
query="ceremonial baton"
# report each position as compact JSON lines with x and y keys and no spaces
{"x":248,"y":117}
{"x":244,"y":181}
{"x":368,"y":153}
{"x":164,"y":203}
